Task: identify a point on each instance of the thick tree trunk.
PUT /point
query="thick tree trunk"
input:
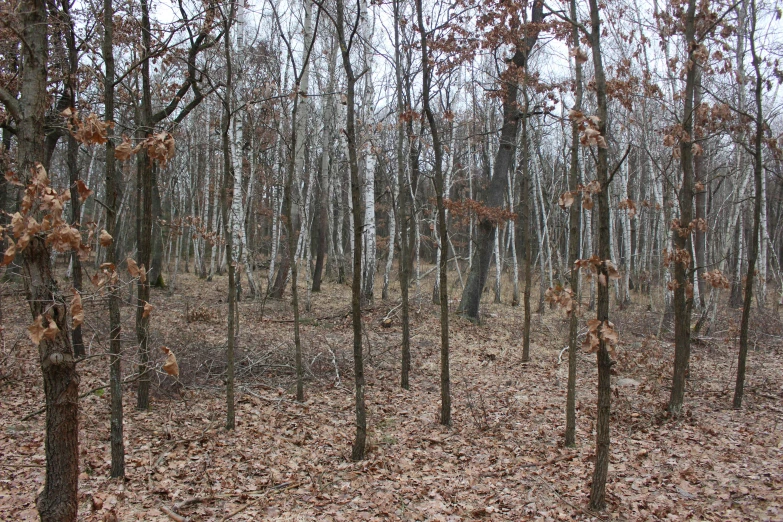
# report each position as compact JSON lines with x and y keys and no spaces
{"x":58,"y":502}
{"x":494,"y":195}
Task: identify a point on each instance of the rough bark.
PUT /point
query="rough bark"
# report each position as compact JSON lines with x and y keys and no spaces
{"x":346,"y":40}
{"x":494,"y":195}
{"x":758,"y":173}
{"x":683,"y":276}
{"x":598,"y":487}
{"x":58,"y":502}
{"x":115,"y":344}
{"x":575,"y":225}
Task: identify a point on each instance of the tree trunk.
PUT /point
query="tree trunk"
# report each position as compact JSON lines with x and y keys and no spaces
{"x":445,"y":379}
{"x":758,"y":173}
{"x":229,"y":185}
{"x":493,"y":198}
{"x":112,"y":214}
{"x":527,"y":223}
{"x":598,"y":488}
{"x":58,"y":502}
{"x":144,"y":216}
{"x":574,"y":228}
{"x":683,"y":277}
{"x":357,"y":452}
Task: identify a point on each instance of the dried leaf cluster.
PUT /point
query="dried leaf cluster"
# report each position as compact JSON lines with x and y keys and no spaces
{"x":589,"y":128}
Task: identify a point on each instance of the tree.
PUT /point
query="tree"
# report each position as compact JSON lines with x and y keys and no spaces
{"x":524,"y":41}
{"x":58,"y":502}
{"x":681,"y":236}
{"x":228,"y":194}
{"x":112,"y":205}
{"x":601,"y":328}
{"x":758,"y":173}
{"x":445,"y":379}
{"x":575,"y":224}
{"x":346,"y":35}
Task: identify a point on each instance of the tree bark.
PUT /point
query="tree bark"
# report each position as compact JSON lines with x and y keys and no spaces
{"x":445,"y":379}
{"x":758,"y":173}
{"x":357,"y":452}
{"x":58,"y":502}
{"x":144,"y":216}
{"x":683,"y":276}
{"x":598,"y":487}
{"x":494,"y":195}
{"x":575,"y":225}
{"x":115,"y":345}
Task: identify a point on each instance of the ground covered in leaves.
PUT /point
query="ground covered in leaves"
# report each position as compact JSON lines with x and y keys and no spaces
{"x":503,"y":458}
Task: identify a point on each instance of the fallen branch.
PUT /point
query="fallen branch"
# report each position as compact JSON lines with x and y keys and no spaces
{"x":281,"y":487}
{"x":173,"y":516}
{"x":549,"y":462}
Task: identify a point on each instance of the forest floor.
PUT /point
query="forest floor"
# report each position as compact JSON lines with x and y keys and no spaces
{"x":503,"y":458}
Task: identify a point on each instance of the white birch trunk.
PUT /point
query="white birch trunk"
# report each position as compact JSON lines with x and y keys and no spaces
{"x":368,"y":152}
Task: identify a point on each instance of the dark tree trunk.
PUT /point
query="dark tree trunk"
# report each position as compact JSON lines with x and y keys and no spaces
{"x":495,"y":193}
{"x":144,"y":216}
{"x":72,"y":160}
{"x":443,"y":298}
{"x":598,"y":488}
{"x":112,"y":201}
{"x":321,"y":226}
{"x":758,"y":172}
{"x":683,"y":276}
{"x":58,"y":502}
{"x":357,"y":452}
{"x":575,"y":225}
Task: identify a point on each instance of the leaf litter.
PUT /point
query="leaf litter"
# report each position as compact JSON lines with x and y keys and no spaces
{"x":503,"y":458}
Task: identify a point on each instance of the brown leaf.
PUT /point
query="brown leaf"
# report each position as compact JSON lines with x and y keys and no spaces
{"x":587,"y":201}
{"x":566,"y":200}
{"x":147,"y":309}
{"x":83,"y":191}
{"x":133,"y":268}
{"x":36,"y":330}
{"x":124,"y":150}
{"x":105,"y":239}
{"x":51,"y":330}
{"x":611,"y":270}
{"x":77,"y":311}
{"x":170,"y":366}
{"x":10,"y":252}
{"x":609,"y":334}
{"x":13,"y":178}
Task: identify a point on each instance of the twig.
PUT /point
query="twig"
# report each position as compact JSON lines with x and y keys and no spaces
{"x":193,"y":500}
{"x":281,"y":487}
{"x":83,"y":395}
{"x":549,"y":462}
{"x":172,"y":515}
{"x":578,"y":508}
